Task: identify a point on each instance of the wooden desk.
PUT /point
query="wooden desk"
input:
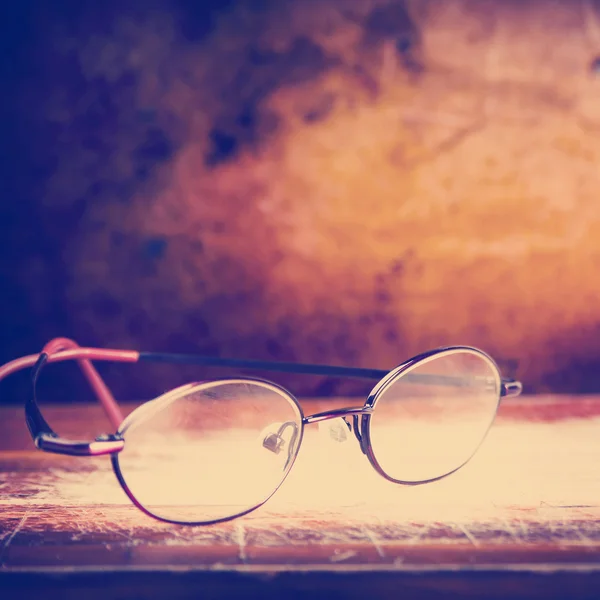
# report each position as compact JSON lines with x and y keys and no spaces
{"x":521,"y":520}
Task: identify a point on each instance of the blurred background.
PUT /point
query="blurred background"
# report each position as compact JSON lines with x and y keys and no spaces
{"x":336,"y":181}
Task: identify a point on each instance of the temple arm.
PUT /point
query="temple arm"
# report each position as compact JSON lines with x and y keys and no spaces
{"x":61,"y":349}
{"x":510,"y":387}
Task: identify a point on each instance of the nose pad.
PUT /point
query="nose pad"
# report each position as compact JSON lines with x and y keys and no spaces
{"x":279,"y":436}
{"x":338,"y":429}
{"x":334,"y":430}
{"x":337,"y":443}
{"x":273,"y":442}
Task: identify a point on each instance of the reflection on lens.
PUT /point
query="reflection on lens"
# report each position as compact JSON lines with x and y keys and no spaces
{"x":209,"y":451}
{"x":429,"y":420}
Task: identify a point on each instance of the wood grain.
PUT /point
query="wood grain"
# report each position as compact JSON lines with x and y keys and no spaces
{"x":522,"y":518}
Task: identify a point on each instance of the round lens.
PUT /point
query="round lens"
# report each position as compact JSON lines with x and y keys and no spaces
{"x":209,"y":451}
{"x":429,"y":419}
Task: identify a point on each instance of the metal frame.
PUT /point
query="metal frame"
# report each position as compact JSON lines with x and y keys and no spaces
{"x":172,"y":396}
{"x":61,"y":349}
{"x":506,"y":387}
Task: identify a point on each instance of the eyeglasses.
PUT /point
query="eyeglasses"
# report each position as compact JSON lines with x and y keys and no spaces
{"x":215,"y":450}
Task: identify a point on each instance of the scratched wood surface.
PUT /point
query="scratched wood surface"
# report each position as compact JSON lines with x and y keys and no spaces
{"x":522,"y":519}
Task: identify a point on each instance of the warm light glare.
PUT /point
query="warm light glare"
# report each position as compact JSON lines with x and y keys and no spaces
{"x":200,"y":453}
{"x":213,"y":450}
{"x":535,"y":466}
{"x":430,"y":420}
{"x":208,"y":472}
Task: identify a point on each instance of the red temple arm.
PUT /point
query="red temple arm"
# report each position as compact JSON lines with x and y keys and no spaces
{"x":61,"y":349}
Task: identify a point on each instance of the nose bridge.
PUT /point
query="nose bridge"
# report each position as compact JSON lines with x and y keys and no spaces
{"x":336,"y":413}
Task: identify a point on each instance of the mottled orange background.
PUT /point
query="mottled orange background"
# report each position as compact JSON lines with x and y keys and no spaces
{"x":350,"y":182}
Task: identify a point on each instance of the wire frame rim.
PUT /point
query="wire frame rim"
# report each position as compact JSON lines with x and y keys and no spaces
{"x":394,"y":376}
{"x":169,"y":398}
